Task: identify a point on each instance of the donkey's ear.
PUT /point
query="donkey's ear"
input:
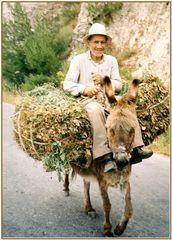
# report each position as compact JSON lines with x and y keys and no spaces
{"x":110,"y":93}
{"x":132,"y":92}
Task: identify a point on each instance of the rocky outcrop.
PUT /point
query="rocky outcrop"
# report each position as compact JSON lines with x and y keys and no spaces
{"x":145,"y":27}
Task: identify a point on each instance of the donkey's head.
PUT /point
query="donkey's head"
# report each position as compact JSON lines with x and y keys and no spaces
{"x":121,"y":122}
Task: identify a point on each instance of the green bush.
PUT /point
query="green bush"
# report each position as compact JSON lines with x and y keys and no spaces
{"x":37,"y":80}
{"x":69,"y":12}
{"x":103,"y":11}
{"x":32,"y":56}
{"x":40,"y":54}
{"x":44,"y":46}
{"x":65,"y":66}
{"x":14,"y":34}
{"x":61,"y":42}
{"x":10,"y":87}
{"x":126,"y":73}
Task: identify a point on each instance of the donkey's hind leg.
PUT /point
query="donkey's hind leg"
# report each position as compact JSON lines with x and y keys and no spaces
{"x":127,"y":214}
{"x":87,"y":202}
{"x":66,"y":185}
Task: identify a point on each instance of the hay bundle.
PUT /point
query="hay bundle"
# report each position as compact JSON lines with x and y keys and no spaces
{"x":52,"y":126}
{"x":152,"y":108}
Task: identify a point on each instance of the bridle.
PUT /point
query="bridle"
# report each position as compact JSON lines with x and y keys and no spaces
{"x":121,"y":153}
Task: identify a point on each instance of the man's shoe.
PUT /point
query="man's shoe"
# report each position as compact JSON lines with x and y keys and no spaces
{"x":138,"y":154}
{"x":105,"y":158}
{"x":110,"y":166}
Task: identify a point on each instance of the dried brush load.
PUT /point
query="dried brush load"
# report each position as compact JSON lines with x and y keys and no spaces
{"x":152,"y":108}
{"x":53,"y":126}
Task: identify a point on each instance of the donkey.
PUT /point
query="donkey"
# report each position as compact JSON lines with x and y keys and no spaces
{"x":120,"y":126}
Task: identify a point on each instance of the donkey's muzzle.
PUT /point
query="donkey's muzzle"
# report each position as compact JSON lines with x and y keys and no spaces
{"x":121,"y":160}
{"x":121,"y":157}
{"x":121,"y":164}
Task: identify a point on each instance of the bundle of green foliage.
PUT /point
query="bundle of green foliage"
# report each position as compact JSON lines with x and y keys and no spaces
{"x":153,"y":108}
{"x":53,"y":127}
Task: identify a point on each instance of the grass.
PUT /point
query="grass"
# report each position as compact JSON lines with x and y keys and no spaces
{"x":162,"y":144}
{"x":126,"y":73}
{"x":9,"y":97}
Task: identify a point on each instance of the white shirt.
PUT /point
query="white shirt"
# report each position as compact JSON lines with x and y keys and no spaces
{"x":79,"y":74}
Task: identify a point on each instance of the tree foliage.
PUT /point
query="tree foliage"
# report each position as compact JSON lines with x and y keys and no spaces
{"x":15,"y":32}
{"x":32,"y":52}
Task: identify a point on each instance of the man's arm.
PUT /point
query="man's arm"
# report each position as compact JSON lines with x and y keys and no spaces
{"x":72,"y":77}
{"x":71,"y":81}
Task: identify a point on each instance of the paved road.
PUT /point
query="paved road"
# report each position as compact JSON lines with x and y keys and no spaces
{"x":34,"y":205}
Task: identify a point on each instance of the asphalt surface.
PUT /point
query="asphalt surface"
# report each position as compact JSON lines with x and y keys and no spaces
{"x":34,"y":205}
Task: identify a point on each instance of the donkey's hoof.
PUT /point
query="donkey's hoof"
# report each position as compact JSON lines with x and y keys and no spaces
{"x":92,"y":214}
{"x":119,"y":230}
{"x":66,"y":193}
{"x":108,"y":234}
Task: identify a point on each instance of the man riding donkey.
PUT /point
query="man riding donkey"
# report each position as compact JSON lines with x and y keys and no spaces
{"x":85,"y":78}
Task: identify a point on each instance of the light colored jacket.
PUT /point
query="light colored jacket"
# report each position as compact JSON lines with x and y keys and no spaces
{"x":79,"y":74}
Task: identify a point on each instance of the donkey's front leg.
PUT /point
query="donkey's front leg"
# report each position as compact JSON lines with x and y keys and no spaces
{"x":106,"y":209}
{"x":87,"y":202}
{"x":127,"y":214}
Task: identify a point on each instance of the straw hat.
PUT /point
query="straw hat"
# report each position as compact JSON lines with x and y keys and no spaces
{"x":97,"y":29}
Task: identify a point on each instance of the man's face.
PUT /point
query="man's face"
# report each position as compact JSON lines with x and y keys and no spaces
{"x":97,"y":45}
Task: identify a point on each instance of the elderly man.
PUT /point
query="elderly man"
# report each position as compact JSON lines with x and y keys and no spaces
{"x":85,"y":77}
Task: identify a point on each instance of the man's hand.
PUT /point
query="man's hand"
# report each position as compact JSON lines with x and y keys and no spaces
{"x":91,"y":91}
{"x":97,"y":78}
